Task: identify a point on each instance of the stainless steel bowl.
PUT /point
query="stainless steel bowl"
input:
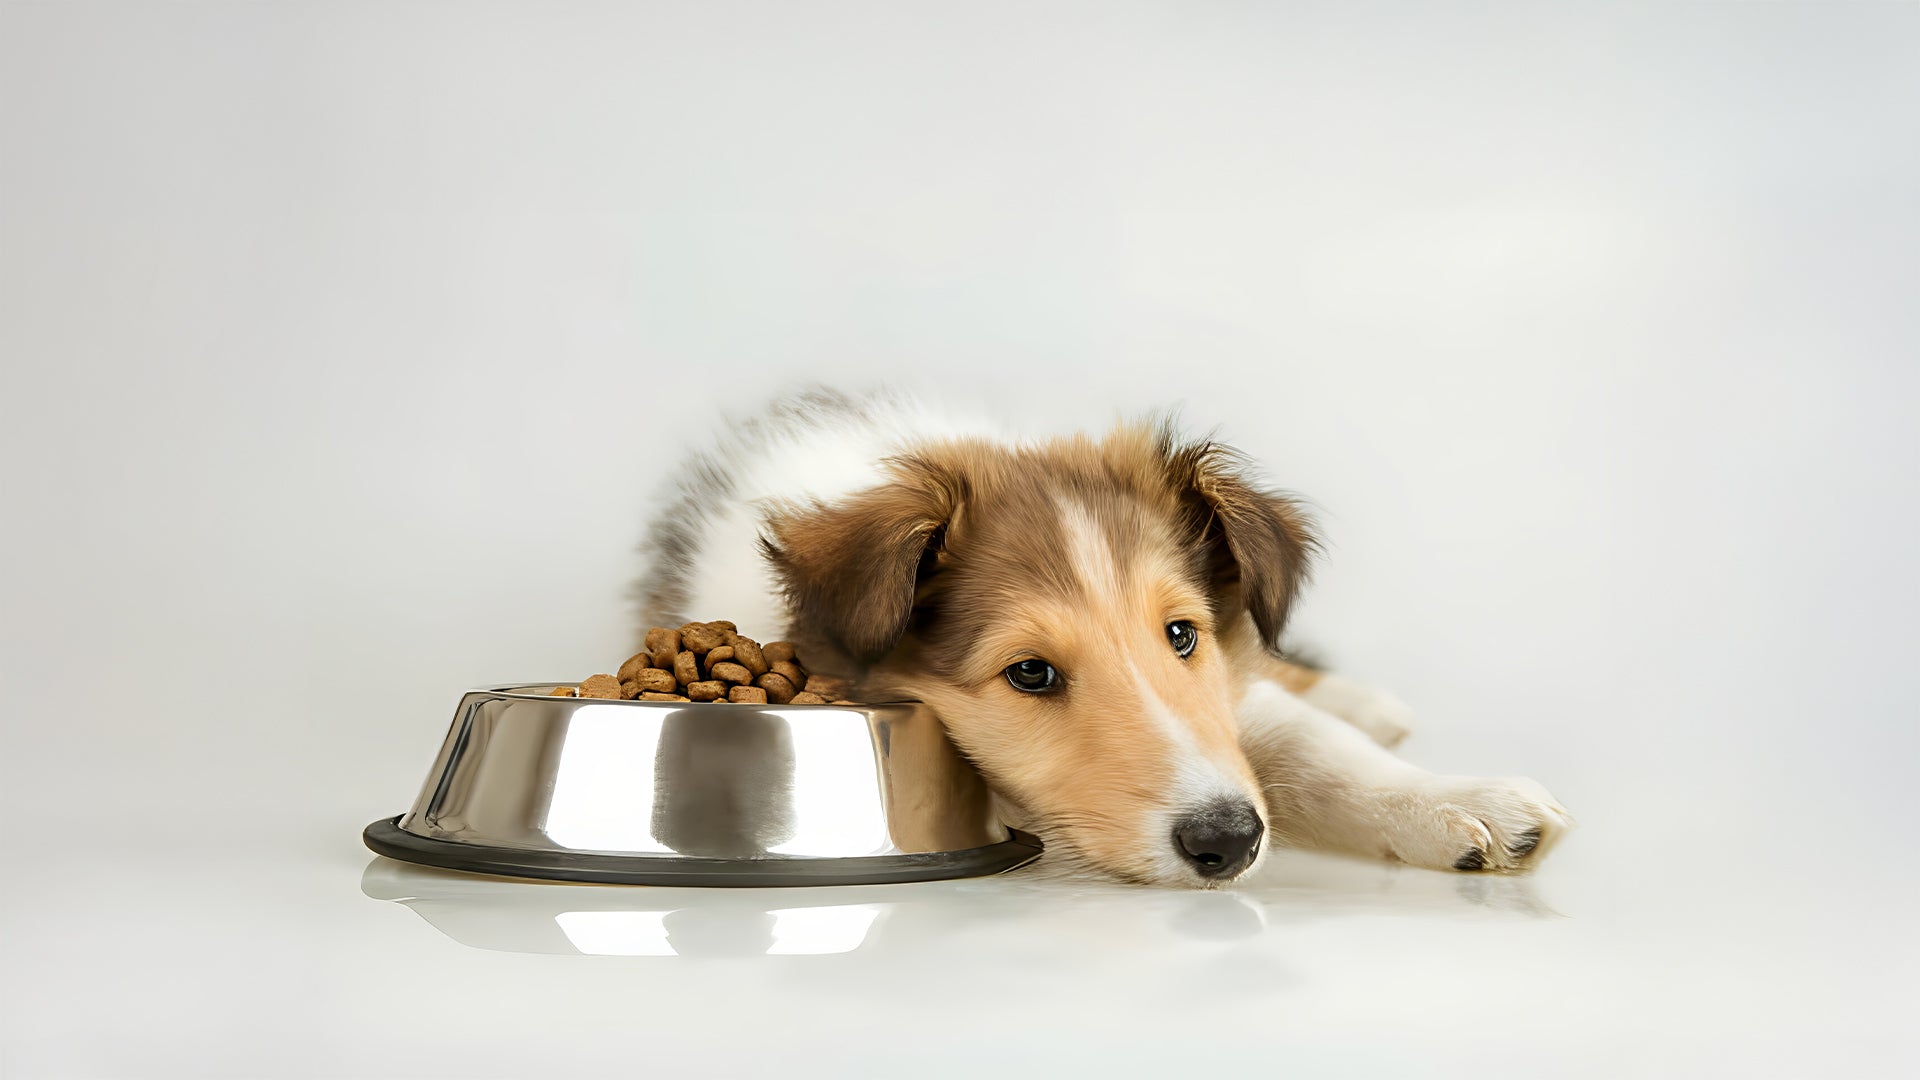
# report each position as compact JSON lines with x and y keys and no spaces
{"x":652,"y":793}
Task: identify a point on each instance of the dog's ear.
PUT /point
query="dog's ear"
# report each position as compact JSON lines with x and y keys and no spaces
{"x":1260,"y":543}
{"x":850,"y":569}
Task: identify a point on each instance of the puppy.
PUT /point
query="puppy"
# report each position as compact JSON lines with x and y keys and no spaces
{"x":1096,"y":622}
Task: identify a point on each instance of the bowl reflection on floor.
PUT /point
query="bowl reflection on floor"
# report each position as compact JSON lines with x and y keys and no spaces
{"x":504,"y":915}
{"x":702,"y":931}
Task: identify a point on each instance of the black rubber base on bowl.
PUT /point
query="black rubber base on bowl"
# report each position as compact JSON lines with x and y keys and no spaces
{"x":385,"y":837}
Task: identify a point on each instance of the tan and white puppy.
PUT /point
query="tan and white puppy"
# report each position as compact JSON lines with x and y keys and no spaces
{"x":1096,"y":622}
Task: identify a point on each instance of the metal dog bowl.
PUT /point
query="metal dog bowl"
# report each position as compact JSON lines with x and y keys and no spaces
{"x":664,"y":793}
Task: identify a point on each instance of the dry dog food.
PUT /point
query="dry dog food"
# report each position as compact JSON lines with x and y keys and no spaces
{"x":712,"y":661}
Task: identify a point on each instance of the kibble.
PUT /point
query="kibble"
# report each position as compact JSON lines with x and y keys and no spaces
{"x":779,"y":688}
{"x":635,"y":664}
{"x":748,"y":654}
{"x":712,"y":662}
{"x":662,"y":646}
{"x":655,"y":681}
{"x":702,"y":637}
{"x":686,"y":668}
{"x":601,"y":686}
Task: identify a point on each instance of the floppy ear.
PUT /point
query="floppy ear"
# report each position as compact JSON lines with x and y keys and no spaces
{"x":850,"y":569}
{"x":1261,"y":543}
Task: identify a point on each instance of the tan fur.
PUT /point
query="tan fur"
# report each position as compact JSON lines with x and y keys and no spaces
{"x":1078,"y":552}
{"x":1297,"y":679}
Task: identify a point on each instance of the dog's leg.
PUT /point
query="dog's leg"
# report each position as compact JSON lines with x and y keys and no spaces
{"x":1329,"y":786}
{"x":1385,"y":718}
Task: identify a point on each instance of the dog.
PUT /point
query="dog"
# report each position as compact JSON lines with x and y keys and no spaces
{"x":1096,"y":622}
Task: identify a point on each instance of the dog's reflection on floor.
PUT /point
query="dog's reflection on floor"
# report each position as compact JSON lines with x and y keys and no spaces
{"x":933,"y":917}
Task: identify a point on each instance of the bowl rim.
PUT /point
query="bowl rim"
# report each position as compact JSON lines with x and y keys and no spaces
{"x":511,"y":690}
{"x":386,"y":837}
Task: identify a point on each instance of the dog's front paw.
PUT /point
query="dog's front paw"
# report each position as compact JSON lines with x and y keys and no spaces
{"x":1477,"y":824}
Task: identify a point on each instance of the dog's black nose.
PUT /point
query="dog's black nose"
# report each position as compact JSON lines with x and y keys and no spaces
{"x":1220,"y":839}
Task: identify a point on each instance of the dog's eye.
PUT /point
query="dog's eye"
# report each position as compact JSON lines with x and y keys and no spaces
{"x":1183,"y":636}
{"x":1033,"y":676}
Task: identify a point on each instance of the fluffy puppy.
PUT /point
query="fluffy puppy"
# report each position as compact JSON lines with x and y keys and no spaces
{"x":1096,"y":622}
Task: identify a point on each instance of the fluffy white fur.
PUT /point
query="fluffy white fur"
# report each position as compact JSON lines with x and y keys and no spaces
{"x":809,"y":456}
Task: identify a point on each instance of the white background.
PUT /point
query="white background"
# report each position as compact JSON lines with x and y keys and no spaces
{"x":345,"y":347}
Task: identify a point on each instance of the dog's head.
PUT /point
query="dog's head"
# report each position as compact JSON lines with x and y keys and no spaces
{"x":1067,"y":609}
